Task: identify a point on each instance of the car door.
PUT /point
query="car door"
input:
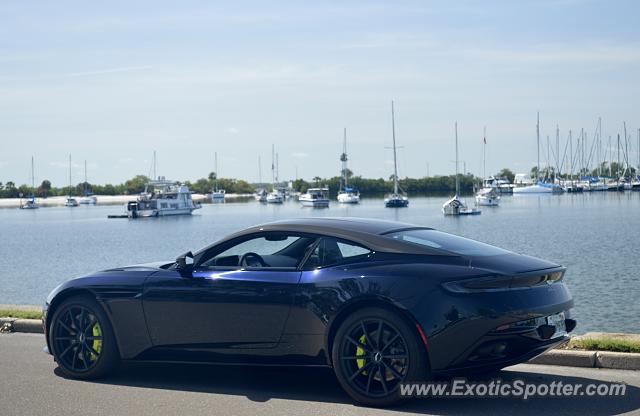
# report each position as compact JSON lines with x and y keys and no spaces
{"x":225,"y":304}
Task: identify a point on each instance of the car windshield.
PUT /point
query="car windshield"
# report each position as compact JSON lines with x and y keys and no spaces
{"x":448,"y":242}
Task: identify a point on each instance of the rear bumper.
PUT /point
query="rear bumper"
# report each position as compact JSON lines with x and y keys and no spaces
{"x":521,"y":356}
{"x":460,"y":328}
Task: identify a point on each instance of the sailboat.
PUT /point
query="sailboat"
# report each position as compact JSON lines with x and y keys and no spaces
{"x":217,"y":195}
{"x":71,"y":201}
{"x":274,"y":197}
{"x":488,"y":195}
{"x":30,"y":202}
{"x":456,"y":205}
{"x":346,"y":195}
{"x":539,"y":187}
{"x":88,"y":198}
{"x":396,"y":199}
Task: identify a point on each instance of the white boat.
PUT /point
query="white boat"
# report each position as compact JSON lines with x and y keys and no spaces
{"x":217,"y":195}
{"x":346,"y":195}
{"x":70,"y":201}
{"x":315,"y":197}
{"x":88,"y":198}
{"x":488,"y":195}
{"x":162,"y":198}
{"x":30,"y":202}
{"x":349,"y":196}
{"x":538,"y":188}
{"x":456,"y":205}
{"x":275,"y":197}
{"x":396,"y":199}
{"x":261,"y":195}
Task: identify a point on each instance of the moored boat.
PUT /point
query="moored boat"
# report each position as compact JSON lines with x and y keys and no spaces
{"x":217,"y":195}
{"x":30,"y":202}
{"x":346,"y":195}
{"x":488,"y":197}
{"x":396,"y":199}
{"x":315,"y":197}
{"x":456,"y":205}
{"x":162,"y":198}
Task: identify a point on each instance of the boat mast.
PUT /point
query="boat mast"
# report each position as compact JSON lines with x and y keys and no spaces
{"x":618,"y":161}
{"x":538,"y":142}
{"x":395,"y":164}
{"x":259,"y":170}
{"x":457,"y":178}
{"x":154,"y":166}
{"x":557,"y":172}
{"x":273,"y":166}
{"x":571,"y":156}
{"x":610,"y":157}
{"x":626,"y":149}
{"x":215,"y":166}
{"x":33,"y":177}
{"x":343,"y":159}
{"x":484,"y":151}
{"x":69,"y":174}
{"x":85,"y":177}
{"x":599,"y":146}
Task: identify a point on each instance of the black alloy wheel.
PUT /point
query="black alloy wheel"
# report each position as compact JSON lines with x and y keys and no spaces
{"x":373,"y":353}
{"x":82,"y":340}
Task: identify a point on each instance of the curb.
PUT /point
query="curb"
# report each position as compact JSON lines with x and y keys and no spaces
{"x":33,"y":326}
{"x":589,"y":359}
{"x":567,"y":358}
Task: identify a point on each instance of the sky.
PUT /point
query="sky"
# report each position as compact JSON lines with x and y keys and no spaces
{"x":110,"y":82}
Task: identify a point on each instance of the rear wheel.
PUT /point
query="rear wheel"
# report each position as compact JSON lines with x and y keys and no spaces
{"x":374,"y":351}
{"x":82,"y":340}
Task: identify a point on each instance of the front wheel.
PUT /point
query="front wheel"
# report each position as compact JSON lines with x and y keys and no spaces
{"x":82,"y":340}
{"x":374,"y":351}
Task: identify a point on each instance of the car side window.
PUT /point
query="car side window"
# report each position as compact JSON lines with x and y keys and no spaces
{"x":264,"y":250}
{"x":332,"y":251}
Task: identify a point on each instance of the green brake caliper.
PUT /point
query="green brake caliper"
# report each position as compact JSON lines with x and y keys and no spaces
{"x":361,"y":352}
{"x":97,"y":343}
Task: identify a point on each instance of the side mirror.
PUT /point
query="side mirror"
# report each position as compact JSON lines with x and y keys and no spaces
{"x":184,"y":263}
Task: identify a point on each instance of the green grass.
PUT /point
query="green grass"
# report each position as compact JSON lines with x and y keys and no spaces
{"x":605,"y":344}
{"x":15,"y":313}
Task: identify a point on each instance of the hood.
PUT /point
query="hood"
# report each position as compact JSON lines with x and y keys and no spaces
{"x":142,"y":267}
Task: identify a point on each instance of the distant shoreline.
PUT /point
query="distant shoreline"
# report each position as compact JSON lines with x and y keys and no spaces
{"x":58,"y":201}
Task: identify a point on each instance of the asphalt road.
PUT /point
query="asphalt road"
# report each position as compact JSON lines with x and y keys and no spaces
{"x":31,"y":385}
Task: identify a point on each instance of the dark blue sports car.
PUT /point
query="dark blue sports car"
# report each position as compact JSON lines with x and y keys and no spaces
{"x":380,"y":302}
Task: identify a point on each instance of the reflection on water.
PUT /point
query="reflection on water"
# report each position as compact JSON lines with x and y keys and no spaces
{"x":594,"y":234}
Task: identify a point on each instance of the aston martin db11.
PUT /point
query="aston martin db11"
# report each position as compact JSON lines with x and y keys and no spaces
{"x":380,"y":302}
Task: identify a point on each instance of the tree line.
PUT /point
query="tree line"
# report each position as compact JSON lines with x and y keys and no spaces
{"x":367,"y":186}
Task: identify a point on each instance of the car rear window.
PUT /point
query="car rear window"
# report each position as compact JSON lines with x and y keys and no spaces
{"x":447,"y":242}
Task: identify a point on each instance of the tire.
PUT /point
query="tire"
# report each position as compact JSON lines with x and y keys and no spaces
{"x":374,"y":379}
{"x":87,"y":354}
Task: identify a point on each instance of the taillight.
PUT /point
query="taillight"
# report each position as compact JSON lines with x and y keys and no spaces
{"x":497,"y":282}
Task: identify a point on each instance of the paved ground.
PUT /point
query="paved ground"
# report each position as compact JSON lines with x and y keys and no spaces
{"x":30,"y":385}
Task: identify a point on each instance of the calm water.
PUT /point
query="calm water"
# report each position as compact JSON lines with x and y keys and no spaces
{"x":595,"y":235}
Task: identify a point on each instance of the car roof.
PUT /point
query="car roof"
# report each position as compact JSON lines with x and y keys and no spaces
{"x":365,"y":231}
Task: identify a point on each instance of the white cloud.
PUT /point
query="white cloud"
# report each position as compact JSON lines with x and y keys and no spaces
{"x":232,"y":130}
